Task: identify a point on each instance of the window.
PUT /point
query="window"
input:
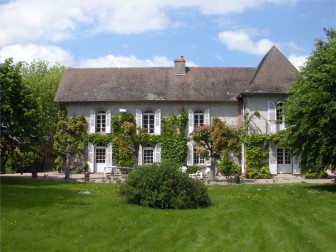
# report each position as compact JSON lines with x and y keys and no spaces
{"x":283,"y":156}
{"x":101,"y":121}
{"x":197,"y":159}
{"x":148,"y":154}
{"x":100,"y":153}
{"x":198,"y":118}
{"x":279,"y":112}
{"x":148,"y":121}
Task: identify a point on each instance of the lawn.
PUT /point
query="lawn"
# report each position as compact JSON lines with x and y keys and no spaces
{"x":42,"y":215}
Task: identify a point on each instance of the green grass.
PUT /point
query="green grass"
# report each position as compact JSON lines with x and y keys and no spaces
{"x":42,"y":215}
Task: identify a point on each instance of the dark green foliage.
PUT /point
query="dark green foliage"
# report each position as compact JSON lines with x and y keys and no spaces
{"x":164,"y":186}
{"x":173,"y":141}
{"x":310,"y":111}
{"x":19,"y":113}
{"x":315,"y":173}
{"x":28,"y":161}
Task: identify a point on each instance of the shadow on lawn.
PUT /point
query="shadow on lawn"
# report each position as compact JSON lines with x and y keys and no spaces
{"x":324,"y":187}
{"x":29,"y":193}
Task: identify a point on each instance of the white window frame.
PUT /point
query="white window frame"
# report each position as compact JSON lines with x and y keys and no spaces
{"x":148,"y":121}
{"x":101,"y":121}
{"x":100,"y":153}
{"x":283,"y":156}
{"x":198,"y":118}
{"x":197,"y":159}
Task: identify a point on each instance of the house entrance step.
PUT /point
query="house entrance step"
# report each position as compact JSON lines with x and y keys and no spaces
{"x":287,"y":176}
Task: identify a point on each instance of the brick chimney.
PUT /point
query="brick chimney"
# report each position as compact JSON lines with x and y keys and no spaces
{"x":179,"y":68}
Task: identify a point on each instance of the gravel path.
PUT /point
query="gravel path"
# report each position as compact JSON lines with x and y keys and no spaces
{"x":99,"y":178}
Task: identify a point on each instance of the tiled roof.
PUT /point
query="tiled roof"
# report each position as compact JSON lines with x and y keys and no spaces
{"x":273,"y":74}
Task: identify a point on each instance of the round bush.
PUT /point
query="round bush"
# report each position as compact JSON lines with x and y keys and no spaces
{"x":164,"y":186}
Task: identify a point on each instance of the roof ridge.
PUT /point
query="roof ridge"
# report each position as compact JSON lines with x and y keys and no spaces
{"x":262,"y":62}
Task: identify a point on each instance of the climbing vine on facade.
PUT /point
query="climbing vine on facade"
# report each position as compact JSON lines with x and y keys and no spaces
{"x":256,"y":147}
{"x":172,"y":138}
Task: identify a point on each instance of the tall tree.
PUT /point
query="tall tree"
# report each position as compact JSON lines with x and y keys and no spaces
{"x":212,"y":140}
{"x":310,"y":111}
{"x":19,"y":114}
{"x":43,"y":81}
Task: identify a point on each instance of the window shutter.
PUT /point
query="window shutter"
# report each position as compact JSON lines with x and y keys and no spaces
{"x":92,"y":128}
{"x":91,"y":157}
{"x":138,"y":118}
{"x":157,"y":155}
{"x":207,"y":120}
{"x":190,"y":121}
{"x":157,"y":128}
{"x":190,"y":156}
{"x":271,"y":111}
{"x":271,"y":117}
{"x":140,"y":156}
{"x":296,"y":164}
{"x":108,"y":121}
{"x":273,"y":158}
{"x":108,"y":158}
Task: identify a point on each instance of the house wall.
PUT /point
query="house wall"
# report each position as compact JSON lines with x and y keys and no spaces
{"x":226,"y":111}
{"x":260,"y":103}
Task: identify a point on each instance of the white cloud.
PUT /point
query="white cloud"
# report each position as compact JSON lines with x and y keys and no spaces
{"x":27,"y":21}
{"x":28,"y":53}
{"x":298,"y":60}
{"x":241,"y":41}
{"x":128,"y":61}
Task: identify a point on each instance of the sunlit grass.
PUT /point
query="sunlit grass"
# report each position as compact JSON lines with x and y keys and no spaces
{"x":39,"y":215}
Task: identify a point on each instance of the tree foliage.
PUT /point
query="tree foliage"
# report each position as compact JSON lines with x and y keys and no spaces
{"x":211,"y":140}
{"x":19,"y":113}
{"x":70,"y":141}
{"x":43,"y":81}
{"x":310,"y":110}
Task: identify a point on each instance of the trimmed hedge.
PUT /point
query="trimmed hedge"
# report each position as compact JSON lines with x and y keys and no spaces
{"x":164,"y":186}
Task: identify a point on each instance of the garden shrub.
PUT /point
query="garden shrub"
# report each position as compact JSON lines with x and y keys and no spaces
{"x":226,"y":166}
{"x":315,"y":174}
{"x":24,"y":162}
{"x":194,"y":168}
{"x":259,"y":173}
{"x":164,"y":186}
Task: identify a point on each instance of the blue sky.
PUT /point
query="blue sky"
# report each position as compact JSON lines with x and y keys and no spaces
{"x":150,"y":33}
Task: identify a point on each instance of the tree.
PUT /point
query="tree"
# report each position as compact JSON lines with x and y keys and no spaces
{"x":310,"y":111}
{"x":19,"y":114}
{"x":70,"y":141}
{"x":43,"y":81}
{"x":211,"y":140}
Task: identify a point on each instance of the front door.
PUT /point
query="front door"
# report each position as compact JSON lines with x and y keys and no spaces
{"x":100,"y":155}
{"x":284,"y":161}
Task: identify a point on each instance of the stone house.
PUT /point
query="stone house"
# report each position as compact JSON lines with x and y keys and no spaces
{"x":203,"y":92}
